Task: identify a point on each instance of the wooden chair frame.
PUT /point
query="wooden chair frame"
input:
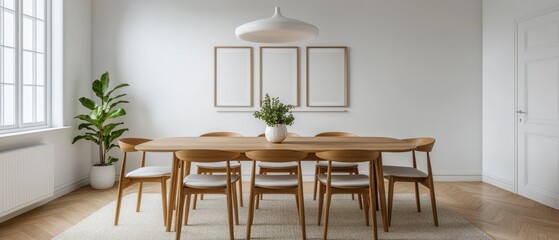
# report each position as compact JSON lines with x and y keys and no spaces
{"x":211,"y":171}
{"x":128,"y":145}
{"x":423,"y":145}
{"x":265,"y":171}
{"x":322,"y":170}
{"x":277,"y":156}
{"x":185,"y":191}
{"x":326,"y":190}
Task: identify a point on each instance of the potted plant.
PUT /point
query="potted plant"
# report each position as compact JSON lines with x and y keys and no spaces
{"x":100,"y":128}
{"x":277,"y":116}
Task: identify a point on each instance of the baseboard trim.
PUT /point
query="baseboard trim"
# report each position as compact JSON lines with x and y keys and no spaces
{"x":58,"y":192}
{"x":498,"y":182}
{"x":68,"y":188}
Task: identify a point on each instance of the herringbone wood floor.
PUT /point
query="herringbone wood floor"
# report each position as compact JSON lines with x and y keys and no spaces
{"x":499,"y":213}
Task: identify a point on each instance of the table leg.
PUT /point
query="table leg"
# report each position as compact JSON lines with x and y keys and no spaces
{"x":172,"y":193}
{"x":186,"y":171}
{"x":382,"y":198}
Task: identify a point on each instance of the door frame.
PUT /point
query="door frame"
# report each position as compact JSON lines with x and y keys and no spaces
{"x":517,"y":22}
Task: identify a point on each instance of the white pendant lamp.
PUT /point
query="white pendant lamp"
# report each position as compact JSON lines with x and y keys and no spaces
{"x":276,"y":29}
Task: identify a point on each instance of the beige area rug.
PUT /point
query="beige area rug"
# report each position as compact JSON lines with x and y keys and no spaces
{"x":276,"y":219}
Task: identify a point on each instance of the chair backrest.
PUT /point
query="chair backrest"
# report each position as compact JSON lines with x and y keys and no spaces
{"x":129,"y":144}
{"x":335,"y":134}
{"x":206,"y":155}
{"x":348,"y":155}
{"x":276,"y":155}
{"x":425,"y":144}
{"x":221,"y":134}
{"x":289,"y":134}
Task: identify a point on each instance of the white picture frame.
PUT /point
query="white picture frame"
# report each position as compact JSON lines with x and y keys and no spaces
{"x":327,"y":77}
{"x":279,"y":73}
{"x":233,"y":76}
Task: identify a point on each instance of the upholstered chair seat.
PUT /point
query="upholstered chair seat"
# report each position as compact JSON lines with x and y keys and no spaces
{"x":208,"y":181}
{"x":149,"y":172}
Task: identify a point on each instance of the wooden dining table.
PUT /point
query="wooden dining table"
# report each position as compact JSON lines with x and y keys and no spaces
{"x":242,"y":145}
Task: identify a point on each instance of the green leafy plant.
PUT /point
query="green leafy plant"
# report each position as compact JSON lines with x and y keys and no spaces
{"x":98,"y":128}
{"x":273,"y":112}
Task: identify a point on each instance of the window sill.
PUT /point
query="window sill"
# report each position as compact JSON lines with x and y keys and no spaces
{"x":34,"y":131}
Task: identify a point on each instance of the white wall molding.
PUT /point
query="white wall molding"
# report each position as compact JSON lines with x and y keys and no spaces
{"x":498,"y":182}
{"x":68,"y":188}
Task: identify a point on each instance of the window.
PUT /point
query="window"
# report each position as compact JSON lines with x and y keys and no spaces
{"x":23,"y":64}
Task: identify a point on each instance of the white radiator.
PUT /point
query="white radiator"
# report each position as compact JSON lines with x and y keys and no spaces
{"x":26,"y":177}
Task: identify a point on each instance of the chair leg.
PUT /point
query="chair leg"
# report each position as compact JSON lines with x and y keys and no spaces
{"x":434,"y":204}
{"x":373,"y":198}
{"x":250,"y":217}
{"x":230,"y":214}
{"x":241,"y":188}
{"x":376,"y":194}
{"x":235,"y":203}
{"x":326,"y":213}
{"x":360,"y":197}
{"x":320,"y":203}
{"x":187,"y":209}
{"x":353,"y":195}
{"x":297,"y":204}
{"x":376,"y":199}
{"x":139,"y":201}
{"x":390,"y":198}
{"x":194,"y":204}
{"x":301,"y":210}
{"x":202,"y":195}
{"x":194,"y":201}
{"x":417,"y":197}
{"x":179,"y":213}
{"x":164,"y":199}
{"x":118,"y":202}
{"x":258,"y":201}
{"x":366,"y":210}
{"x":315,"y":183}
{"x":261,"y":196}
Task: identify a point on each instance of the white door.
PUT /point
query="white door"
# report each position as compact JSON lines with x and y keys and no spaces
{"x":538,"y":108}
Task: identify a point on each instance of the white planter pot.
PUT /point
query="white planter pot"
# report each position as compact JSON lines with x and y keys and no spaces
{"x":276,"y":134}
{"x":102,"y":177}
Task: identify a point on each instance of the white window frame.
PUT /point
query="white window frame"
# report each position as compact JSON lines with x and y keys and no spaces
{"x":19,"y":125}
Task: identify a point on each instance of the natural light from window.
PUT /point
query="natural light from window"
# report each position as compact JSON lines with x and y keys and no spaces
{"x":23,"y":64}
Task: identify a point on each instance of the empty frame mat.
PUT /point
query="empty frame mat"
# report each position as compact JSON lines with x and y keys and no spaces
{"x":233,"y":77}
{"x":327,"y":76}
{"x":279,"y":73}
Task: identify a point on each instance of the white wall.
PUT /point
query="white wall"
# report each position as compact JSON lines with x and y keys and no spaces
{"x":499,"y":86}
{"x":415,"y":68}
{"x":72,"y":162}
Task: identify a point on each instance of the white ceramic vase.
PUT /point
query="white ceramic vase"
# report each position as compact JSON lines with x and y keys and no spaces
{"x":276,"y":134}
{"x":102,"y":177}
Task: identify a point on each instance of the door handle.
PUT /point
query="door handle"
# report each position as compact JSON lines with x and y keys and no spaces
{"x":521,"y":112}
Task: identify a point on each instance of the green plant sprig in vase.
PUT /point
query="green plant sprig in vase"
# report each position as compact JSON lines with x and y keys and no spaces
{"x":276,"y":115}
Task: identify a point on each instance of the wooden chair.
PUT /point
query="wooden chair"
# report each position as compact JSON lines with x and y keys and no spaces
{"x":412,"y":174}
{"x":219,"y":167}
{"x":207,"y":184}
{"x":275,"y":167}
{"x":277,"y":184}
{"x":143,"y":174}
{"x":320,"y":167}
{"x":347,"y":184}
